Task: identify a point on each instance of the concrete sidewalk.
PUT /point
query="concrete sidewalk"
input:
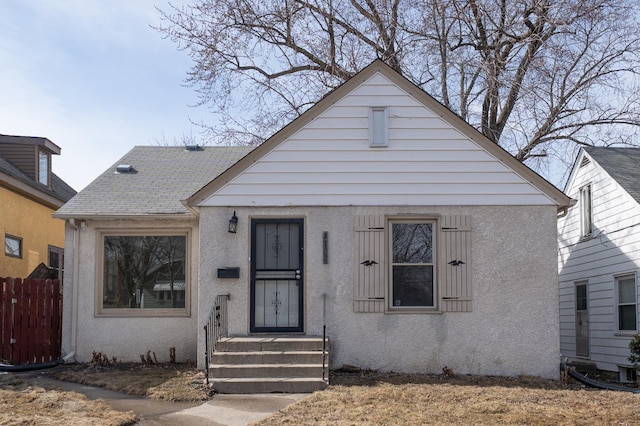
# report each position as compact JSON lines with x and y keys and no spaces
{"x":229,"y":410}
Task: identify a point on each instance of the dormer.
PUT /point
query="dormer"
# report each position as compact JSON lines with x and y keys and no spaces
{"x":32,"y":155}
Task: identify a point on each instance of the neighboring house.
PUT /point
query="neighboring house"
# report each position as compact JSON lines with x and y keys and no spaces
{"x":379,"y":213}
{"x":29,"y":194}
{"x":599,"y":259}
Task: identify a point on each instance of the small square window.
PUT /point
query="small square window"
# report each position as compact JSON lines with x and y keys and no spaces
{"x":12,"y":246}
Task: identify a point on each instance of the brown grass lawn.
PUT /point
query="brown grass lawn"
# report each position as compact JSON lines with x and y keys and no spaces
{"x":394,"y":399}
{"x":367,"y":398}
{"x":24,"y":404}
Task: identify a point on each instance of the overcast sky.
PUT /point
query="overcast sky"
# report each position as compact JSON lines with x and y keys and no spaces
{"x":94,"y":78}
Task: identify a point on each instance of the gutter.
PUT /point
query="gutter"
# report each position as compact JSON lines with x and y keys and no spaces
{"x":142,"y":216}
{"x":74,"y":298}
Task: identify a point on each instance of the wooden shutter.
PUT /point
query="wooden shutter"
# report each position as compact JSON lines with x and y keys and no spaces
{"x":455,"y":265}
{"x":370,"y":283}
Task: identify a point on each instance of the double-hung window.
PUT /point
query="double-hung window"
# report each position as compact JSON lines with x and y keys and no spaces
{"x":626,"y":300}
{"x":413,"y":264}
{"x":144,"y":273}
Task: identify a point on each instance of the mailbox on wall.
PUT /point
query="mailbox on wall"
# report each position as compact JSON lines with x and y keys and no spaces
{"x":229,"y":272}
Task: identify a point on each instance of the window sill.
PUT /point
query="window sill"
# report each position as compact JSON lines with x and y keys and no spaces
{"x":143,"y":313}
{"x":626,"y":333}
{"x":409,"y":310}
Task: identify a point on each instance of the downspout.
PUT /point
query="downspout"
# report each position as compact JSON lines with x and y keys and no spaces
{"x":74,"y":298}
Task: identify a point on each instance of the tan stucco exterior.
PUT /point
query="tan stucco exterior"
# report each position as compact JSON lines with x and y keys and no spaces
{"x":124,"y":337}
{"x":511,"y":330}
{"x":31,"y":221}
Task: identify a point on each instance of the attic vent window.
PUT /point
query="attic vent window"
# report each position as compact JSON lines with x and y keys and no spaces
{"x":378,"y":127}
{"x":124,"y":169}
{"x":585,"y":161}
{"x":193,"y":148}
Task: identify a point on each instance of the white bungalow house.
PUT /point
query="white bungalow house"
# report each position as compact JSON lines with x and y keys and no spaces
{"x":378,"y":215}
{"x":599,"y":259}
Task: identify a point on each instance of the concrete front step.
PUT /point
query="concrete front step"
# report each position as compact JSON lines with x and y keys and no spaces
{"x":267,"y":357}
{"x":264,"y":364}
{"x":283,"y":344}
{"x":260,"y":371}
{"x":268,"y":385}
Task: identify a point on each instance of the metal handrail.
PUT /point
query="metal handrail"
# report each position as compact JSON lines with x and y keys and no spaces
{"x":325,"y":361}
{"x":217,"y":326}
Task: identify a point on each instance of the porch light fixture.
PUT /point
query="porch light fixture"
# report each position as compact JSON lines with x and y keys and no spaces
{"x":233,"y":223}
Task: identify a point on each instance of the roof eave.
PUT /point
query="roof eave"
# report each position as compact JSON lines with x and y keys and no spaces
{"x":30,"y":192}
{"x":141,"y":216}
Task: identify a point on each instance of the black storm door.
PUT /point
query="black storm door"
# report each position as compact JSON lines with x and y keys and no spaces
{"x":276,"y":275}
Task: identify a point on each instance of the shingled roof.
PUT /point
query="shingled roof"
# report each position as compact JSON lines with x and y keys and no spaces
{"x":161,"y":177}
{"x":59,"y":188}
{"x":622,"y":164}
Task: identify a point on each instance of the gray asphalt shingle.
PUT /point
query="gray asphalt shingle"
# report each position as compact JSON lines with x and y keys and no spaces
{"x":59,"y":188}
{"x":623,"y":164}
{"x":162,"y":177}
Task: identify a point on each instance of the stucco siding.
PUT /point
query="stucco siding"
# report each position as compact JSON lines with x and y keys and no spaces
{"x":613,"y":250}
{"x":425,"y":157}
{"x":512,"y":328}
{"x":32,"y":222}
{"x":125,"y":337}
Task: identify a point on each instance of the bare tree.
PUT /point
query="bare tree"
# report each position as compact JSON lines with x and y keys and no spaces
{"x":539,"y":77}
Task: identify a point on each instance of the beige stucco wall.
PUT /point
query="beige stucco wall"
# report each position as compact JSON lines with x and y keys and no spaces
{"x":512,"y":330}
{"x":124,"y":337}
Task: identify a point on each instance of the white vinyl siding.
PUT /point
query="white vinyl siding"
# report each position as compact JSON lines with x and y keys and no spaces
{"x":452,"y":277}
{"x":330,"y":162}
{"x":614,"y":249}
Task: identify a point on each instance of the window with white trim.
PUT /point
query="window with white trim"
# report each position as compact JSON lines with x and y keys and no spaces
{"x":143,"y":273}
{"x":626,"y":302}
{"x":43,"y":167}
{"x":412,"y":263}
{"x":378,"y":127}
{"x":586,"y":213}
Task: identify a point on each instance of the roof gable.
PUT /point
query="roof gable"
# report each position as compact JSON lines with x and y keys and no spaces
{"x":622,"y":164}
{"x":331,"y":139}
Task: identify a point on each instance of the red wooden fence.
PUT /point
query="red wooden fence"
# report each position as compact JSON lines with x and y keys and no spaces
{"x":30,"y":321}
